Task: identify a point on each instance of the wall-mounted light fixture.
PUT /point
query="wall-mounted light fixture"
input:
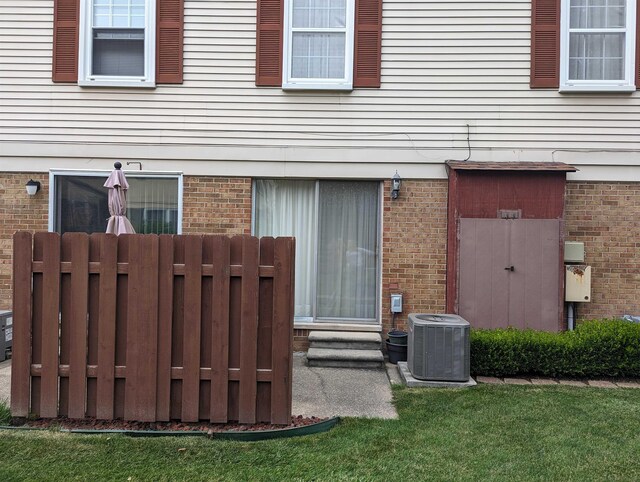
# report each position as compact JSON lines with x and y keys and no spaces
{"x":396,"y":182}
{"x":32,"y":187}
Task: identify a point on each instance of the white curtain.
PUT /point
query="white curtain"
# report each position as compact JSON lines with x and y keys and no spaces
{"x":597,"y":55}
{"x":318,"y":54}
{"x":287,"y":208}
{"x":347,"y":250}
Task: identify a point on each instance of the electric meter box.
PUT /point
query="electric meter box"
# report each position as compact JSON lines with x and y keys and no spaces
{"x":573,"y":252}
{"x":577,"y":283}
{"x":396,"y":303}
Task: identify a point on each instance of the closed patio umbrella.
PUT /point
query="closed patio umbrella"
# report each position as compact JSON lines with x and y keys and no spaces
{"x":118,"y":186}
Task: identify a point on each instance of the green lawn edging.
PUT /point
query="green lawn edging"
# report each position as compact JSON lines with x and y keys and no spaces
{"x":239,"y":435}
{"x":597,"y":348}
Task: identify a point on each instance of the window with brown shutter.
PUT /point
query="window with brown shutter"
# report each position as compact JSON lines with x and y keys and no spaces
{"x":573,"y":48}
{"x":98,"y":62}
{"x":363,"y":35}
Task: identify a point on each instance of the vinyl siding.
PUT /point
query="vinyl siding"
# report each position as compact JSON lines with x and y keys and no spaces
{"x":445,"y":65}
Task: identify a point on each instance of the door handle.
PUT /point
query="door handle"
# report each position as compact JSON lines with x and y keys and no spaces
{"x":509,"y":268}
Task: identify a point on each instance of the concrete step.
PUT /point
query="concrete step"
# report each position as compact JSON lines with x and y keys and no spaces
{"x":347,"y":340}
{"x":340,"y":358}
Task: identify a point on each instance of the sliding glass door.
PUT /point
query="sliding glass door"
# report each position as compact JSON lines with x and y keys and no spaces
{"x":336,"y":228}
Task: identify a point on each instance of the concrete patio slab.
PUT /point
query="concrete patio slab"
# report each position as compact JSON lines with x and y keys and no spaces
{"x":320,"y":392}
{"x":392,"y":373}
{"x":409,"y":380}
{"x":345,"y":392}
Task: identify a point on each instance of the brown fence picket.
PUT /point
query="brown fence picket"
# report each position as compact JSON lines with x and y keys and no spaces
{"x":249,"y":330}
{"x":265,"y":328}
{"x":282,"y":318}
{"x":78,"y":327}
{"x":153,"y":328}
{"x":191,"y":339}
{"x":50,"y":324}
{"x":142,"y":335}
{"x":21,"y":350}
{"x":235,"y":315}
{"x":93,"y":338}
{"x":165,"y":311}
{"x":220,"y":330}
{"x":107,"y":326}
{"x":36,"y":325}
{"x":122,"y":294}
{"x":66,"y":253}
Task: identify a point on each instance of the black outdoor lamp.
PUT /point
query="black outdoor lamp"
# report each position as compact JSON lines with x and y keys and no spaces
{"x":396,"y":181}
{"x":32,"y":187}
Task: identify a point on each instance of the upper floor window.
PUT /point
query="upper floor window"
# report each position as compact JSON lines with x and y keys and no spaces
{"x":121,"y":43}
{"x":597,"y":50}
{"x":117,"y":43}
{"x":318,"y":44}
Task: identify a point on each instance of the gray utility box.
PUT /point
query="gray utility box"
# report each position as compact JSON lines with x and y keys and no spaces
{"x":438,"y":347}
{"x":6,"y":333}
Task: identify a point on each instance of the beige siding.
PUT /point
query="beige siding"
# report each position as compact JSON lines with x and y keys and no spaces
{"x":445,"y":65}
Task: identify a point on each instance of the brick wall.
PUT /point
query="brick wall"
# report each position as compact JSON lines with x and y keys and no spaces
{"x":216,"y":205}
{"x":18,"y":211}
{"x":414,"y":248}
{"x":606,"y":217}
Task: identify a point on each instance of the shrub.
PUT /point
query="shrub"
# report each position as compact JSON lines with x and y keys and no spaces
{"x":598,"y":348}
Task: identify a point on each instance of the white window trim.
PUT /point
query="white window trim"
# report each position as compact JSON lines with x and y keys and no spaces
{"x":53,"y":173}
{"x":626,"y":85}
{"x":291,"y":83}
{"x":85,"y":79}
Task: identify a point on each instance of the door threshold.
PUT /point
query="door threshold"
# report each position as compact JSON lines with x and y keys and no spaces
{"x":337,"y":326}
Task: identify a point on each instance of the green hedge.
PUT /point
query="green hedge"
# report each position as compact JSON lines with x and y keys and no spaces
{"x":598,"y":348}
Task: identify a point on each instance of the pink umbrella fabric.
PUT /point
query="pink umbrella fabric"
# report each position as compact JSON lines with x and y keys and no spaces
{"x":118,"y":186}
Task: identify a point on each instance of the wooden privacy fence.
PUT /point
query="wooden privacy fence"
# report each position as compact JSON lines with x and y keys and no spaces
{"x":153,"y":328}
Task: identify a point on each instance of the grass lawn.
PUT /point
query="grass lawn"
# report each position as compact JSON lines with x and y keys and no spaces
{"x":485,"y":433}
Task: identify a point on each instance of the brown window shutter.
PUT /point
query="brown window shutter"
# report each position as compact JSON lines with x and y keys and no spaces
{"x":65,"y":40}
{"x":368,"y":43}
{"x":169,"y":41}
{"x":269,"y":25}
{"x":545,"y":44}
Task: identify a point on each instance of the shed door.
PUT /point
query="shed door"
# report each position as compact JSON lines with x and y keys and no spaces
{"x":494,"y":295}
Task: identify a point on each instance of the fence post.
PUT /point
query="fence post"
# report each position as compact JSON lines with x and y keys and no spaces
{"x":21,"y":351}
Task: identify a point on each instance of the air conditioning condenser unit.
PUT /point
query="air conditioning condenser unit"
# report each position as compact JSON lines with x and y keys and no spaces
{"x":438,"y":347}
